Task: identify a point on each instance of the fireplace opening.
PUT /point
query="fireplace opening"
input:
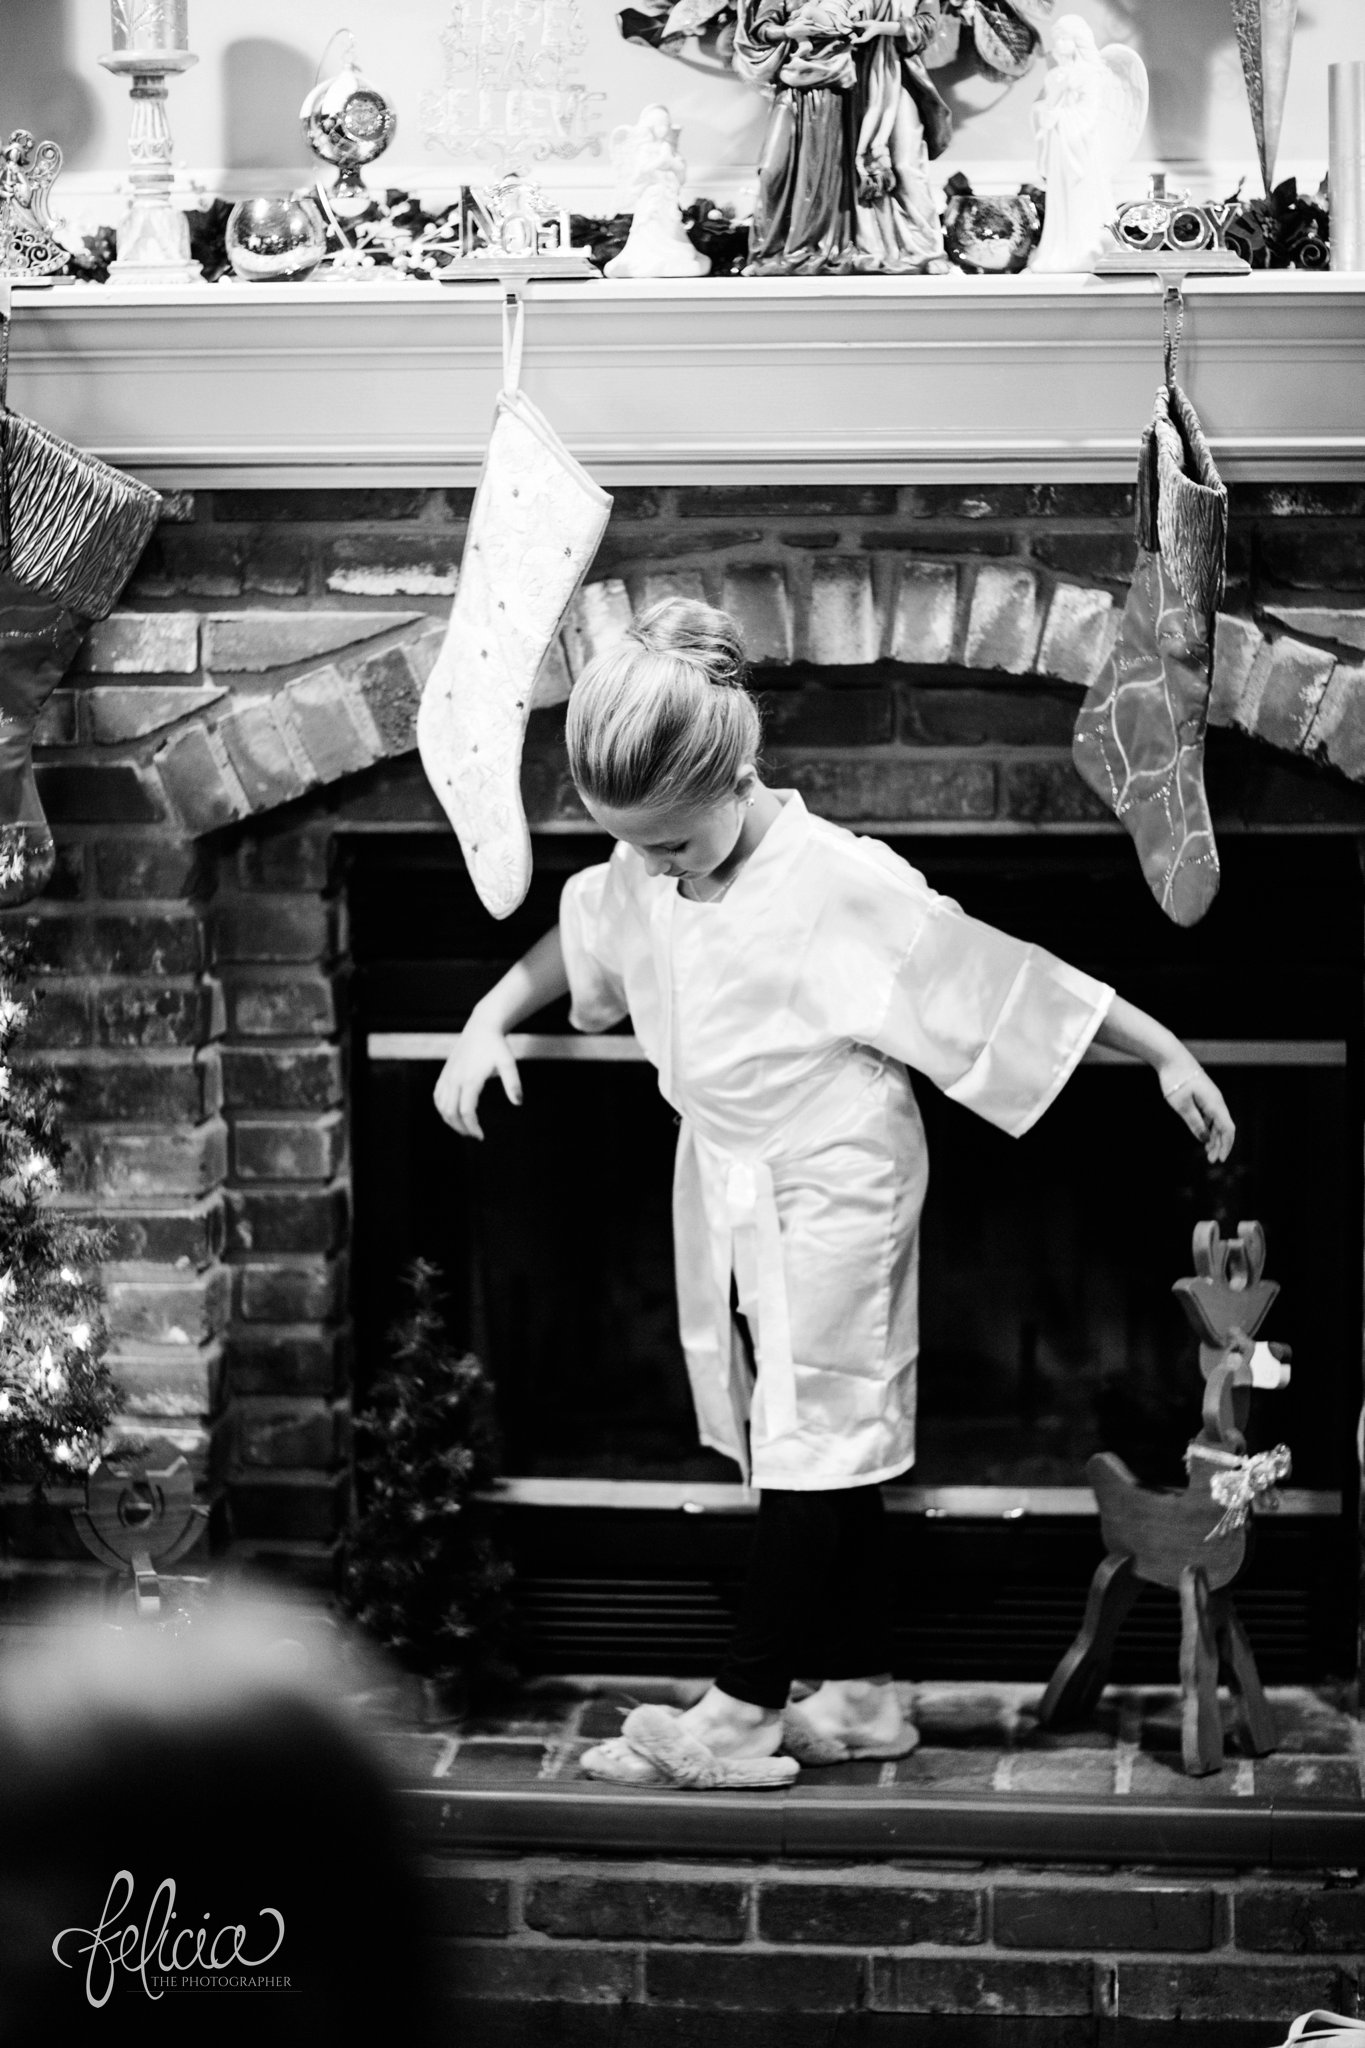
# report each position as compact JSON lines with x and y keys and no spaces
{"x":1048,"y":1327}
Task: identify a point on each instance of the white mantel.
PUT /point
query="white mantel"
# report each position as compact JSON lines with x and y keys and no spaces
{"x":700,"y":381}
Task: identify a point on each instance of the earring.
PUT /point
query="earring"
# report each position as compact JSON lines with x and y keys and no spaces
{"x":749,"y":804}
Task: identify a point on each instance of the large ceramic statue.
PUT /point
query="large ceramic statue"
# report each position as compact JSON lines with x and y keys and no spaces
{"x":843,"y":178}
{"x":1087,"y":120}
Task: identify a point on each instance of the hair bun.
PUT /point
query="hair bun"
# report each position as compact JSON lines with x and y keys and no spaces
{"x":698,"y":633}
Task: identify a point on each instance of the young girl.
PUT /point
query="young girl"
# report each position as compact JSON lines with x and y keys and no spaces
{"x":781,"y":974}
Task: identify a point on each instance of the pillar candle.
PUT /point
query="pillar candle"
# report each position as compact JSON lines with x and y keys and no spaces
{"x":150,"y":25}
{"x":1346,"y":164}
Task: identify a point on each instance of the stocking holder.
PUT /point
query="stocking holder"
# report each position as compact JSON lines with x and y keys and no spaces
{"x":154,"y":239}
{"x":140,"y":1515}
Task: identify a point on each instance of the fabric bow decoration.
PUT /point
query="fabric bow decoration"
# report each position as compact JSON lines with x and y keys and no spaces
{"x":1242,"y":1483}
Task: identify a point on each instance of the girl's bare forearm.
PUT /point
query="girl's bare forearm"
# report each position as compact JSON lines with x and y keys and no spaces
{"x":538,"y":978}
{"x":1128,"y":1029}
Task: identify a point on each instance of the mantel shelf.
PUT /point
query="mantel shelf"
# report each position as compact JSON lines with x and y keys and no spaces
{"x":701,"y":381}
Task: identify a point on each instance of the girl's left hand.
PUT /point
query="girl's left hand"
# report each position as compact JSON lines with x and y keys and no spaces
{"x":1199,"y":1103}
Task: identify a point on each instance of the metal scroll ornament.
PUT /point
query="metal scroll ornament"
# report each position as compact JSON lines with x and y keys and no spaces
{"x":28,"y":244}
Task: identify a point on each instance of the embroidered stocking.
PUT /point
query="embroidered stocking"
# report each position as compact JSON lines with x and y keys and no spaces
{"x":71,"y":529}
{"x":1139,"y":739}
{"x":537,"y":520}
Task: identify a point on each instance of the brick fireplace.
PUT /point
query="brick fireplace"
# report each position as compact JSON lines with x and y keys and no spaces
{"x":244,"y":723}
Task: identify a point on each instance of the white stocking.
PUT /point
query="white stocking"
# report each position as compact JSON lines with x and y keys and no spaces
{"x":537,"y":520}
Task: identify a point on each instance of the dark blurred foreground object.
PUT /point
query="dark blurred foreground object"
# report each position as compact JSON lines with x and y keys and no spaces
{"x":420,"y":1572}
{"x":218,"y":1761}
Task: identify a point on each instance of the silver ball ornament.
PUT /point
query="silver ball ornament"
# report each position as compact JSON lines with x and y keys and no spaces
{"x":275,"y":239}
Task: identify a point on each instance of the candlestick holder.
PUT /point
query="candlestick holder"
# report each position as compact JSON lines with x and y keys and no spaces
{"x":154,"y":239}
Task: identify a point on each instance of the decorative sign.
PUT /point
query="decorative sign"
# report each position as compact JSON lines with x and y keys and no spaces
{"x":511,"y":96}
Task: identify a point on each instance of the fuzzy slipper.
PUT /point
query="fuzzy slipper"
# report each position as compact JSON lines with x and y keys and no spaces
{"x":616,"y":1763}
{"x":687,"y":1762}
{"x":812,"y":1746}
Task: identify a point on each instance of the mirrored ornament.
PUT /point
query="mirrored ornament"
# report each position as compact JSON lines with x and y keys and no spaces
{"x":989,"y":236}
{"x":275,"y":238}
{"x":348,"y":122}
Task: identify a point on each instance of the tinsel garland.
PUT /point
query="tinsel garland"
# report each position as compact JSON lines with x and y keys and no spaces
{"x":1284,"y":232}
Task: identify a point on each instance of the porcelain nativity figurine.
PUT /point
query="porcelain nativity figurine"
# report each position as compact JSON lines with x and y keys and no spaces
{"x":843,"y":176}
{"x":1087,"y":120}
{"x":649,"y":177}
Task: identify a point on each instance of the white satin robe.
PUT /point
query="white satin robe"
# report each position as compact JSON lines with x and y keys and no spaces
{"x":781,"y":1019}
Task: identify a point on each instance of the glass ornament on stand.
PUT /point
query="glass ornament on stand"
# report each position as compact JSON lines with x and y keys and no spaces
{"x":347,"y":122}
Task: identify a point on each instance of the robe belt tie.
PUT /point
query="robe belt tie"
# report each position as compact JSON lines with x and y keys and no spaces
{"x":751,"y":1232}
{"x":756,"y":1256}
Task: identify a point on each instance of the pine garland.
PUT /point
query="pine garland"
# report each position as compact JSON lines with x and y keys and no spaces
{"x":420,"y":1571}
{"x":57,"y":1396}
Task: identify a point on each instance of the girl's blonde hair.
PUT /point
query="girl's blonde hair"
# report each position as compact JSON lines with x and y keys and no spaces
{"x":665,"y":719}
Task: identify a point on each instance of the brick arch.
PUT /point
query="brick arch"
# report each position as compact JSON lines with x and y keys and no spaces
{"x":851,"y":610}
{"x":210,"y":719}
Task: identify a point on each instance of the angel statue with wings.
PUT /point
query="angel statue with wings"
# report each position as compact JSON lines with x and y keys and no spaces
{"x":843,"y":179}
{"x":1087,"y":120}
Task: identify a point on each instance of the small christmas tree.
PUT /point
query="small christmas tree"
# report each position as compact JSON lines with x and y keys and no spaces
{"x":57,"y":1397}
{"x":420,"y":1571}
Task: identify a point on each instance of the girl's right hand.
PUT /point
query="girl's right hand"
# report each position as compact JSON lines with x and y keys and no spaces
{"x":482,"y":1052}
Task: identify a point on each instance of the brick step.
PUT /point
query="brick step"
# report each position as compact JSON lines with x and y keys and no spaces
{"x":985,"y":1782}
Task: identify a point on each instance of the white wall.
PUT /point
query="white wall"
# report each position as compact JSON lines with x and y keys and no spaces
{"x":234,"y":115}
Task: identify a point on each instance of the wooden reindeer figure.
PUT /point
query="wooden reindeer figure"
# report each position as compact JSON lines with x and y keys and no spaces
{"x":1194,"y":1540}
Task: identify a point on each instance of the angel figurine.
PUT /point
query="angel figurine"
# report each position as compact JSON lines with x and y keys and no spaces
{"x":1087,"y":120}
{"x":843,"y":180}
{"x":650,"y":172}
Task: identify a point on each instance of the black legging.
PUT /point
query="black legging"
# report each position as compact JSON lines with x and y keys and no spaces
{"x":816,"y":1601}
